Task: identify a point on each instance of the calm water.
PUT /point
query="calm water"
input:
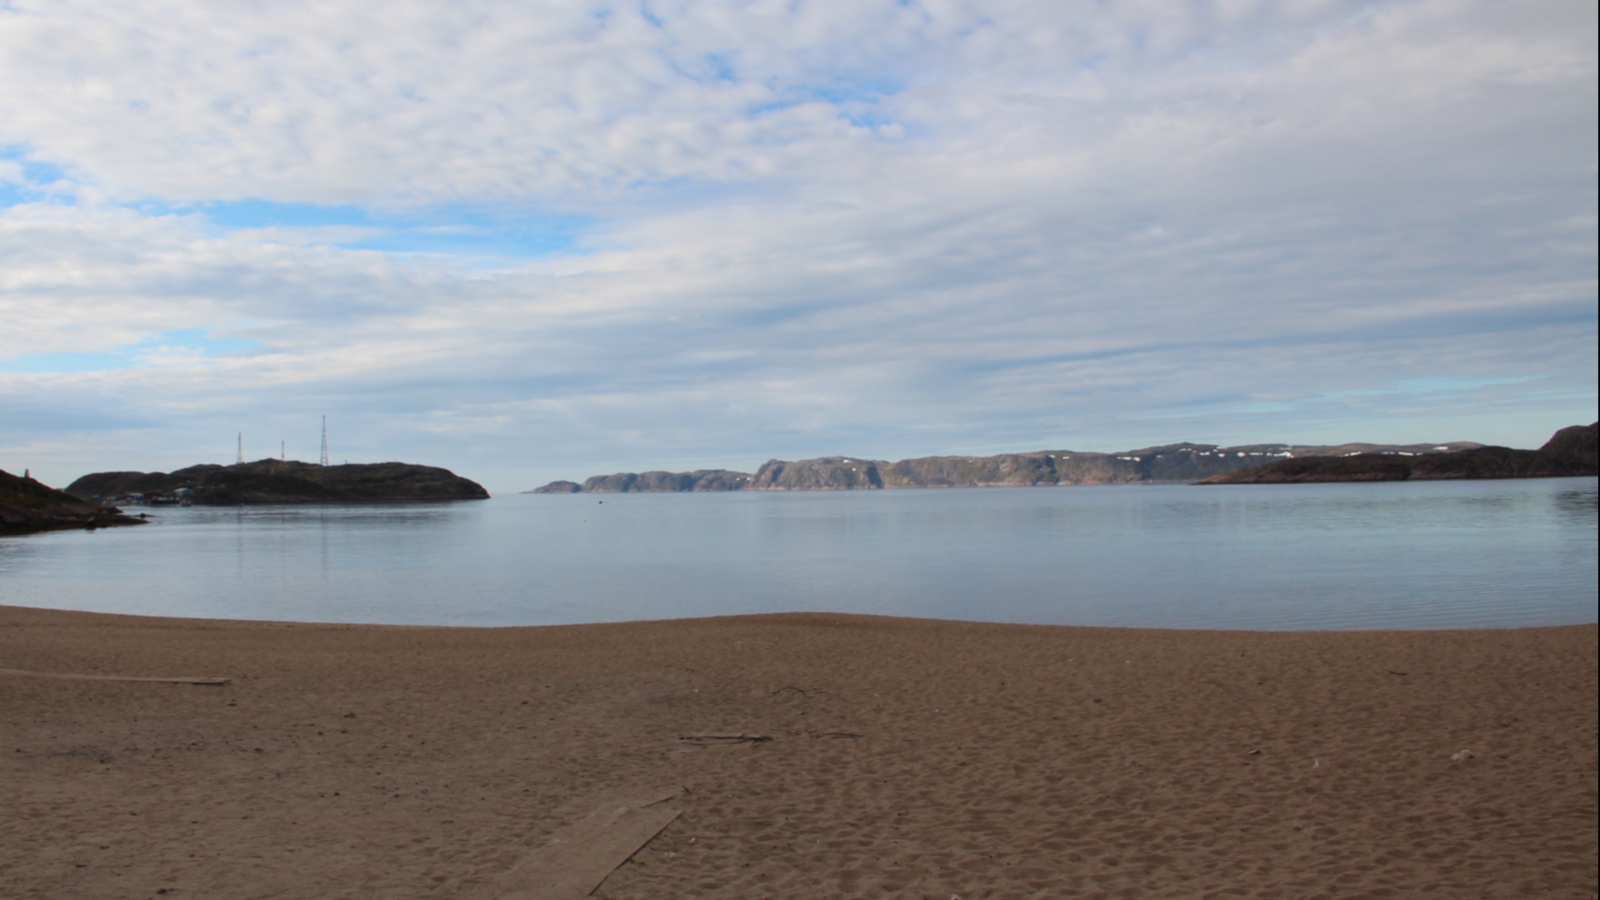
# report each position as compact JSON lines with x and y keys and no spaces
{"x":1439,"y":555}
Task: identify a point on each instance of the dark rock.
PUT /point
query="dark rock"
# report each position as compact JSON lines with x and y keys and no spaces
{"x":28,"y":506}
{"x":1576,"y":440}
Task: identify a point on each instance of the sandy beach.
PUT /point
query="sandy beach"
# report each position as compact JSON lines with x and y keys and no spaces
{"x":817,"y":756}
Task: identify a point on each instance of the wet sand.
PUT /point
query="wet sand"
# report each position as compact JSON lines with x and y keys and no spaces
{"x":883,"y":758}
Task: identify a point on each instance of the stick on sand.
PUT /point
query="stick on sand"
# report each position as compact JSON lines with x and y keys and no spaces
{"x":176,"y":679}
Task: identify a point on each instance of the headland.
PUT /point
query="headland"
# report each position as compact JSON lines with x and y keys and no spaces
{"x":281,"y":481}
{"x":27,"y":506}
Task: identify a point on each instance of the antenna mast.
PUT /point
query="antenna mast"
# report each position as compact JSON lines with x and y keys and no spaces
{"x":324,"y":440}
{"x":241,"y":447}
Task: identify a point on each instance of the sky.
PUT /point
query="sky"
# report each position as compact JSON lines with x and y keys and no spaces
{"x":540,"y":240}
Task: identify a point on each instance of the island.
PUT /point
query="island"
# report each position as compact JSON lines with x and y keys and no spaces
{"x":1184,"y":462}
{"x":279,"y":481}
{"x":26,"y":506}
{"x":1570,"y":452}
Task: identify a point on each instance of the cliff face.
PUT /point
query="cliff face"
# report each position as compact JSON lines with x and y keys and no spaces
{"x":1170,"y":462}
{"x":1570,"y":452}
{"x":274,"y":481}
{"x":28,"y":506}
{"x":827,"y":473}
{"x":1013,"y":469}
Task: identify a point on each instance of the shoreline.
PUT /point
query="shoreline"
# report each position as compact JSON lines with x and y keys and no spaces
{"x":178,"y":621}
{"x":908,"y":757}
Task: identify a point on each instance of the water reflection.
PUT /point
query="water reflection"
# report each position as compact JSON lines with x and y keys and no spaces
{"x":1581,"y":503}
{"x":1406,"y":555}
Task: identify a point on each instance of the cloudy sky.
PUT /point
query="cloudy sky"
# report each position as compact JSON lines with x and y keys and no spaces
{"x":530,"y":240}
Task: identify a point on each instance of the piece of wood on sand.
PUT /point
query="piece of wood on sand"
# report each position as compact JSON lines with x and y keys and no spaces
{"x":740,"y":738}
{"x":574,"y":861}
{"x":73,"y":676}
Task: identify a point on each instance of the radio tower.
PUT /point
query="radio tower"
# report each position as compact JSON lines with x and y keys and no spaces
{"x":241,"y":447}
{"x":324,"y":440}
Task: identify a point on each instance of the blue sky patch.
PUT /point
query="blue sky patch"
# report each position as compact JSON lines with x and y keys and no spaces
{"x":194,"y":345}
{"x":865,"y":90}
{"x":456,"y":230}
{"x":855,"y":100}
{"x":36,"y":176}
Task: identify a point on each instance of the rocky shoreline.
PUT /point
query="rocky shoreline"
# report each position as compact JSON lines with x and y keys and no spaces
{"x":26,"y":506}
{"x":1570,"y":452}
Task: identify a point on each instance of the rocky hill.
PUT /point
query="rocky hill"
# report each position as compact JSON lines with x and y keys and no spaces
{"x":1171,"y":462}
{"x":27,"y":506}
{"x":276,"y":481}
{"x":652,"y":483}
{"x":1577,"y":440}
{"x":1572,"y":451}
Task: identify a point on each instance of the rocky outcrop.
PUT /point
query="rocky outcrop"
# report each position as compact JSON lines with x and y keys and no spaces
{"x":827,"y":473}
{"x":1569,"y":453}
{"x":276,"y":481}
{"x":557,"y":487}
{"x":1575,"y":440}
{"x":1007,"y":469}
{"x":28,"y":506}
{"x":651,"y":483}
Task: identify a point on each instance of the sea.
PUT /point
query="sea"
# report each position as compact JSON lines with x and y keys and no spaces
{"x":1398,"y":555}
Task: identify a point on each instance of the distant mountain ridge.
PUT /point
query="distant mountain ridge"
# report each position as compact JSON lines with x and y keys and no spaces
{"x":1170,"y":462}
{"x":281,"y":481}
{"x":1572,"y":451}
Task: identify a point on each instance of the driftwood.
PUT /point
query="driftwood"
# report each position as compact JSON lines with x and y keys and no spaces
{"x":176,"y":679}
{"x":573,"y":862}
{"x":725,"y":739}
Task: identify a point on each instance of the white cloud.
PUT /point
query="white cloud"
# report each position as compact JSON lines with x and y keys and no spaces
{"x":880,"y":228}
{"x":416,"y":102}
